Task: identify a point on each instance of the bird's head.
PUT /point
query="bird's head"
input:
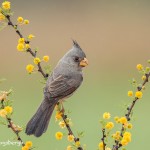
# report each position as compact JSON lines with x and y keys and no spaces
{"x":76,"y":57}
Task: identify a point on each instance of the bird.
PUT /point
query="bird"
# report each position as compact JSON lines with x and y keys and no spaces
{"x":64,"y":80}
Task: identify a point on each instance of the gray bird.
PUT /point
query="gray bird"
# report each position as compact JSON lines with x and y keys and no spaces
{"x":63,"y":82}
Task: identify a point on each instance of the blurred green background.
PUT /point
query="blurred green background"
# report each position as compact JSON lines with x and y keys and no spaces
{"x":114,"y":34}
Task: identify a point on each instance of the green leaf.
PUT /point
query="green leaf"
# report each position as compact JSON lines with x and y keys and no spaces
{"x":69,"y":112}
{"x":103,"y":123}
{"x":133,"y":82}
{"x":10,"y":13}
{"x":43,"y":81}
{"x":36,"y":49}
{"x":3,"y":25}
{"x":47,"y":69}
{"x":80,"y":134}
{"x":8,"y":103}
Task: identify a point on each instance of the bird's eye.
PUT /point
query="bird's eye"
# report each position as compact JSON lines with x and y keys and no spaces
{"x":76,"y":59}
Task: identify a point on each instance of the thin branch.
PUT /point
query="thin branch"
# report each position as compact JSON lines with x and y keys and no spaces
{"x":29,"y":50}
{"x":129,"y":110}
{"x":41,"y":70}
{"x":103,"y":138}
{"x":139,"y":88}
{"x":14,"y":130}
{"x":70,"y":132}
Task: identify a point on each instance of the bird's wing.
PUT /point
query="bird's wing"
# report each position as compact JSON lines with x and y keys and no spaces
{"x":62,"y":86}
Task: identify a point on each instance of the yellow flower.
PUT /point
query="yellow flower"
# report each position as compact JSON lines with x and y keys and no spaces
{"x":25,"y":148}
{"x":117,"y":132}
{"x":2,"y":17}
{"x":59,"y":135}
{"x":6,"y":5}
{"x":106,"y":115}
{"x":3,"y":113}
{"x":130,"y":126}
{"x":20,"y":47}
{"x":8,"y":109}
{"x":26,"y":21}
{"x":62,"y":124}
{"x":109,"y":125}
{"x":130,"y":93}
{"x":143,"y":77}
{"x":77,"y":143}
{"x":139,"y":67}
{"x":29,"y":68}
{"x":123,"y":120}
{"x":126,"y":138}
{"x":124,"y":142}
{"x":58,"y":115}
{"x":117,"y":119}
{"x":70,"y":138}
{"x":30,"y":36}
{"x":69,"y":148}
{"x":36,"y":60}
{"x":46,"y":58}
{"x":21,"y":40}
{"x":20,"y":19}
{"x":138,"y":94}
{"x":116,"y":136}
{"x":27,"y":46}
{"x":28,"y":144}
{"x":127,"y":134}
{"x":100,"y":145}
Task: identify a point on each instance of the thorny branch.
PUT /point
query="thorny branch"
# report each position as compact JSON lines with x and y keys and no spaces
{"x":129,"y":111}
{"x":10,"y":23}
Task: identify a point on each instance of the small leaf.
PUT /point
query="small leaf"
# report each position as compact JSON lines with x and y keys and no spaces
{"x":36,"y":49}
{"x":43,"y":81}
{"x":47,"y":69}
{"x":3,"y":25}
{"x":103,"y":123}
{"x":80,"y":134}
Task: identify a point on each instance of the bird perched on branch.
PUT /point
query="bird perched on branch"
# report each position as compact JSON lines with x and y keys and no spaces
{"x":63,"y":82}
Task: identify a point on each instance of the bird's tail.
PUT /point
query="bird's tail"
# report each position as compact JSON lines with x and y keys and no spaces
{"x":39,"y":122}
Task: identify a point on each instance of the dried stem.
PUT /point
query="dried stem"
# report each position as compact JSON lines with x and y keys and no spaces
{"x":129,"y":111}
{"x":11,"y":125}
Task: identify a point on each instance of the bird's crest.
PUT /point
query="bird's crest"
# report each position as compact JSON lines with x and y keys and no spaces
{"x":76,"y":44}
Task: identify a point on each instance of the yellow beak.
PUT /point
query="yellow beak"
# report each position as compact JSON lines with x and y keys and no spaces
{"x":84,"y":62}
